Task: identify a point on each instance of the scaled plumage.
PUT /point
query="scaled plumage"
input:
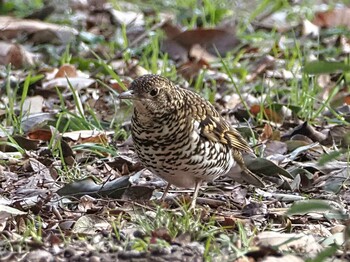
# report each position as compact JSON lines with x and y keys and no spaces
{"x":180,"y":136}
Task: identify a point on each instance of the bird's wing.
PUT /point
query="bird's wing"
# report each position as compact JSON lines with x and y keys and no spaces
{"x":211,"y":125}
{"x":216,"y":128}
{"x":208,"y":123}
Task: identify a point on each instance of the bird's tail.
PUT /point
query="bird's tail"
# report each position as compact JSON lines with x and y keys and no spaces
{"x":251,"y":178}
{"x":241,"y":173}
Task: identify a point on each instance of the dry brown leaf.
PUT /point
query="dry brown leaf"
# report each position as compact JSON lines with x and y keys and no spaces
{"x":267,"y":133}
{"x":191,"y":68}
{"x":14,"y":27}
{"x":66,"y":70}
{"x":306,"y":130}
{"x":16,"y":55}
{"x":171,"y":30}
{"x":268,"y":113}
{"x":25,"y":143}
{"x":213,"y":40}
{"x":223,"y":40}
{"x":346,"y":99}
{"x":260,"y":67}
{"x":333,"y":18}
{"x":175,"y":50}
{"x":98,"y":139}
{"x":229,"y":221}
{"x":116,"y":86}
{"x":40,"y":134}
{"x":160,"y":233}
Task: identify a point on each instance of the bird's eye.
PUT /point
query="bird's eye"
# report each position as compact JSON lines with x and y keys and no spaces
{"x":154,"y":92}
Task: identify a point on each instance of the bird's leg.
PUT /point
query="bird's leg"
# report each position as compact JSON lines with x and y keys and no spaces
{"x":195,"y":194}
{"x":165,"y":192}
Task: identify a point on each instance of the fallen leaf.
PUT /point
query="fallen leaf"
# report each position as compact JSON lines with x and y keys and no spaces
{"x":265,"y":166}
{"x":35,"y":121}
{"x":284,"y":242}
{"x":273,"y":147}
{"x":198,"y":53}
{"x":160,"y":233}
{"x":268,"y":113}
{"x":42,"y":172}
{"x":25,"y":143}
{"x":66,"y":70}
{"x":38,"y":255}
{"x":260,"y":67}
{"x":266,"y":133}
{"x":306,"y":130}
{"x":88,"y":186}
{"x":33,"y":105}
{"x":191,"y":68}
{"x":7,"y":211}
{"x":88,"y":136}
{"x":14,"y":27}
{"x":128,"y":17}
{"x":310,"y":29}
{"x":16,"y":55}
{"x":213,"y":40}
{"x":90,"y":225}
{"x":137,"y":193}
{"x":333,"y":18}
{"x":278,"y":21}
{"x":40,"y":134}
{"x":76,"y":82}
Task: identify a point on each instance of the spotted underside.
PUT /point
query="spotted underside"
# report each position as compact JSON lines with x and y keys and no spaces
{"x":192,"y":143}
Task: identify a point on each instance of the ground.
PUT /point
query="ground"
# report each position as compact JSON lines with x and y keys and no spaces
{"x":72,"y":188}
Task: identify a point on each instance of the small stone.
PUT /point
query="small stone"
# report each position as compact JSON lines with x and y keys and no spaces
{"x":39,"y":256}
{"x":94,"y":259}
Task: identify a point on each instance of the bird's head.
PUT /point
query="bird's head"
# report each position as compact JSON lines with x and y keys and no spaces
{"x":152,"y":95}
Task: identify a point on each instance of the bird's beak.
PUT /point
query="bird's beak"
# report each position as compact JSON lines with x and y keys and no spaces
{"x":127,"y":95}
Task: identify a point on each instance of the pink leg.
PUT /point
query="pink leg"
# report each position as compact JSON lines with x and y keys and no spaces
{"x":195,"y":194}
{"x":165,"y":192}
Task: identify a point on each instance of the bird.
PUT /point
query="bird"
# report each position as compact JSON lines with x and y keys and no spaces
{"x":181,"y":137}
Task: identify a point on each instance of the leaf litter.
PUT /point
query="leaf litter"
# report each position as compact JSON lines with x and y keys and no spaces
{"x":71,"y":186}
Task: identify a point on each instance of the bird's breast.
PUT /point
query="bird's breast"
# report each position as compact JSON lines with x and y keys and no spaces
{"x":177,"y":152}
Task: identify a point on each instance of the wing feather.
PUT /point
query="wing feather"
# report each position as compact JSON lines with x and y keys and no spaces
{"x":217,"y":129}
{"x":212,"y":125}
